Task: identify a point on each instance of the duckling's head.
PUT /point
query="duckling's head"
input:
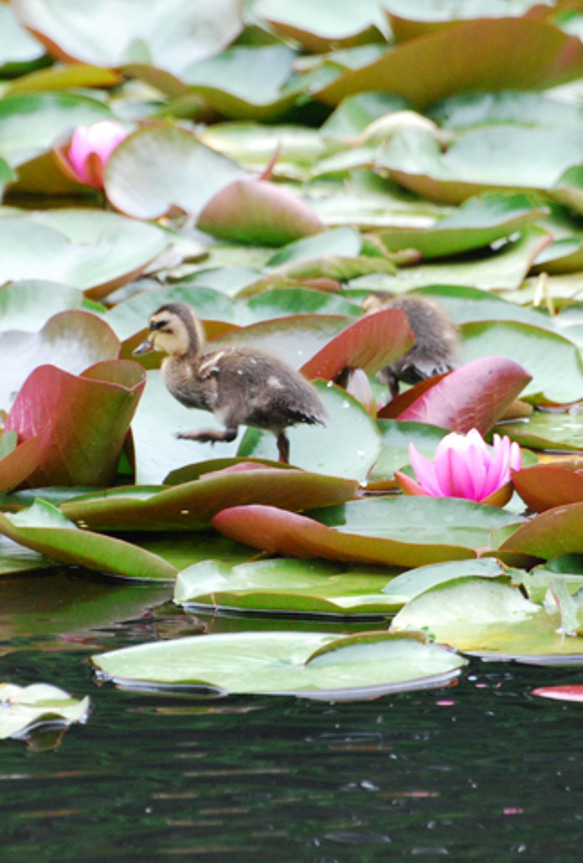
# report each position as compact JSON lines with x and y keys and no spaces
{"x":175,"y":330}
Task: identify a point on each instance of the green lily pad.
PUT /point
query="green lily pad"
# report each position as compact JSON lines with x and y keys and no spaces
{"x":397,"y":435}
{"x":407,"y":586}
{"x":297,"y":301}
{"x":353,"y":451}
{"x":355,"y":113}
{"x":192,"y":505}
{"x":556,"y":432}
{"x":83,"y":248}
{"x":398,"y":531}
{"x":24,"y":707}
{"x":288,"y":586}
{"x":477,"y":223}
{"x":32,"y":123}
{"x":503,"y":269}
{"x":171,"y":35}
{"x":45,"y":529}
{"x":305,"y":664}
{"x":467,"y":305}
{"x":19,"y":51}
{"x":28,"y":305}
{"x":467,"y":110}
{"x":552,"y":360}
{"x":489,"y":618}
{"x":160,"y":167}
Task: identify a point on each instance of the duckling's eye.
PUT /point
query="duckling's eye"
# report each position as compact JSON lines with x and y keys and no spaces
{"x":158,"y":325}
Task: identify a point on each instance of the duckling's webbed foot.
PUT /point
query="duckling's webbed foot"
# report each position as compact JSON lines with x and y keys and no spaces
{"x":283,"y":447}
{"x":210,"y":435}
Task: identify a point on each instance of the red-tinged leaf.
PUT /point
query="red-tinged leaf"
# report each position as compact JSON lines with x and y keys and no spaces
{"x":257,"y":211}
{"x":279,"y":532}
{"x":84,"y":420}
{"x":400,"y":403}
{"x":484,"y":54}
{"x":193,"y":504}
{"x":574,"y":692}
{"x":370,"y":344}
{"x":473,"y":396}
{"x":19,"y":464}
{"x":545,"y":486}
{"x":557,"y":531}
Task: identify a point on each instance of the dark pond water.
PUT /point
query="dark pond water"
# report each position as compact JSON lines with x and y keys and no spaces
{"x":478,"y":772}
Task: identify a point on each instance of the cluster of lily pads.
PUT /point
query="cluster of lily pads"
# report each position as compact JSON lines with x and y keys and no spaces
{"x":272,"y":166}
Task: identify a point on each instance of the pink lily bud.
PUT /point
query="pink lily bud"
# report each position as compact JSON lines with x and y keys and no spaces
{"x":91,"y":146}
{"x":465,"y":466}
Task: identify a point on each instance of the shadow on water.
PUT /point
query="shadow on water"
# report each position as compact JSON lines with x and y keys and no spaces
{"x":477,"y":772}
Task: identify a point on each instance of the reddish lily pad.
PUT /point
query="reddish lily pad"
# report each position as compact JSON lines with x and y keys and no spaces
{"x":192,"y":505}
{"x":545,"y":486}
{"x":473,"y":396}
{"x":370,"y":344}
{"x":387,"y":530}
{"x":486,"y":54}
{"x":556,"y":532}
{"x":257,"y":211}
{"x":84,"y":421}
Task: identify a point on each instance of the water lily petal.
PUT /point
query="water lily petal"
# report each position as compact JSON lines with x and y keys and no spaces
{"x":91,"y":147}
{"x":425,"y":471}
{"x":409,"y":486}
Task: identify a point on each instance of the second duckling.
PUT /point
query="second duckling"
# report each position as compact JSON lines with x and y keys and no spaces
{"x":240,"y":385}
{"x":436,"y":345}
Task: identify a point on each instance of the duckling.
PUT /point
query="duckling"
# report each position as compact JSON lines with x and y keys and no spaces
{"x":239,"y":385}
{"x":436,"y":345}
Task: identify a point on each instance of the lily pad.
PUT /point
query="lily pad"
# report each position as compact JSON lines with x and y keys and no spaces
{"x":397,"y":531}
{"x":545,"y":486}
{"x":59,"y":410}
{"x":28,"y":305}
{"x":93,"y":250}
{"x":478,"y":222}
{"x":353,"y":452}
{"x":192,"y":505}
{"x":305,"y":664}
{"x":161,"y":167}
{"x":25,"y":707}
{"x":492,"y":54}
{"x":43,"y":528}
{"x":71,"y":341}
{"x":489,"y":618}
{"x":284,"y":586}
{"x":555,"y":432}
{"x":554,"y":533}
{"x":171,"y":35}
{"x":452,"y":402}
{"x":552,"y":361}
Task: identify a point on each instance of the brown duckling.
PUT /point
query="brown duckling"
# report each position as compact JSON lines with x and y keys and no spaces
{"x":436,"y":345}
{"x":240,"y":385}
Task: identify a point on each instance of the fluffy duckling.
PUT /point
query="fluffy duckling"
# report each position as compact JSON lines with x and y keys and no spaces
{"x":239,"y":385}
{"x":436,"y":345}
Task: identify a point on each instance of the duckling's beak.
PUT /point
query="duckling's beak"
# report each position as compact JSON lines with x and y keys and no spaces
{"x":145,"y":346}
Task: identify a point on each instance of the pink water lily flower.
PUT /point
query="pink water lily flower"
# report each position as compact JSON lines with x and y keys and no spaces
{"x":465,"y":466}
{"x":88,"y":153}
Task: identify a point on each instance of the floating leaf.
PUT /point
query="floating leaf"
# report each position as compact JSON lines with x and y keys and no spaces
{"x":370,"y":344}
{"x":395,"y":531}
{"x":28,"y":305}
{"x":552,"y":361}
{"x":556,"y":532}
{"x":192,"y":505}
{"x":161,"y":167}
{"x":171,"y":35}
{"x":25,"y":707}
{"x":545,"y":486}
{"x":83,"y":421}
{"x":353,"y":453}
{"x":556,"y":432}
{"x":45,"y":529}
{"x":452,"y":402}
{"x":289,"y":586}
{"x":71,"y":341}
{"x":257,"y":211}
{"x":492,"y":54}
{"x":306,"y":664}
